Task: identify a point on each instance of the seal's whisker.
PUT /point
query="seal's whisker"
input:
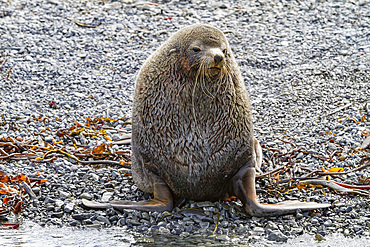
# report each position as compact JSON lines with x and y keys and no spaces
{"x":222,"y":81}
{"x":203,"y":81}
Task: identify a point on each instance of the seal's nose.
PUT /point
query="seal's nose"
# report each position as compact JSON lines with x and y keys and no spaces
{"x":218,"y":58}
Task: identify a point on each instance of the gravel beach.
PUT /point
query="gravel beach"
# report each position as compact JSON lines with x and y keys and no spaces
{"x":306,"y":65}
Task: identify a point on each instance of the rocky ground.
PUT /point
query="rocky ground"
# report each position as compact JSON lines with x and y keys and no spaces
{"x":65,"y":61}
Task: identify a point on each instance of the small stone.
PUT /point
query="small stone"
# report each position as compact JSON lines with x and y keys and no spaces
{"x":298,"y":231}
{"x":74,"y":223}
{"x":204,"y":225}
{"x":133,"y":222}
{"x":222,"y":237}
{"x":299,"y":216}
{"x":93,"y":226}
{"x":224,"y":224}
{"x":124,"y":170}
{"x":357,"y":228}
{"x":343,"y":52}
{"x":315,"y":222}
{"x":184,"y":234}
{"x":300,"y":156}
{"x":111,"y":212}
{"x":242,"y":230}
{"x":87,"y":222}
{"x":113,"y":218}
{"x":115,"y":174}
{"x":64,"y":195}
{"x":205,"y":204}
{"x":189,"y":228}
{"x":48,"y":200}
{"x":94,"y":177}
{"x":163,"y":230}
{"x":82,"y":216}
{"x":106,"y":196}
{"x":277,"y":236}
{"x":86,"y":196}
{"x":59,"y":203}
{"x":36,"y":190}
{"x":57,"y":215}
{"x":121,"y":222}
{"x":103,"y":219}
{"x":328,"y":223}
{"x":49,"y":139}
{"x":258,"y":230}
{"x":271,"y":225}
{"x":68,"y":208}
{"x":288,"y":217}
{"x":145,"y":216}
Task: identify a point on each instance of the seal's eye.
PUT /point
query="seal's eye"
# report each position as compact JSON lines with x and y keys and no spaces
{"x":195,"y":49}
{"x":224,"y":51}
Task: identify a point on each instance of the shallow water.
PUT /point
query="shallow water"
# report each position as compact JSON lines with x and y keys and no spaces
{"x":30,"y":234}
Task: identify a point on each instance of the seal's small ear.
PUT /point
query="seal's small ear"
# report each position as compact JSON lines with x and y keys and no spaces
{"x":174,"y":50}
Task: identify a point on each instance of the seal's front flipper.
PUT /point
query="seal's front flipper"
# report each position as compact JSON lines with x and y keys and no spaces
{"x":245,"y":190}
{"x":162,"y":201}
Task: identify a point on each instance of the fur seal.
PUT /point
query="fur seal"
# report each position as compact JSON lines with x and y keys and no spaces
{"x":192,"y":130}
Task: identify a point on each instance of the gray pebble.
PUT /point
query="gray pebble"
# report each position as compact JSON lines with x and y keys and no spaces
{"x":107,"y":196}
{"x":328,"y":223}
{"x":87,"y":196}
{"x":271,"y":226}
{"x":69,"y":207}
{"x":103,"y":219}
{"x":258,"y":231}
{"x":57,"y":214}
{"x":64,"y":195}
{"x":133,"y":222}
{"x":82,"y":216}
{"x":277,"y":236}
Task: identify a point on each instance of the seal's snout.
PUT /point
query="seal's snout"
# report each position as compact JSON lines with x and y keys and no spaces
{"x":218,"y":59}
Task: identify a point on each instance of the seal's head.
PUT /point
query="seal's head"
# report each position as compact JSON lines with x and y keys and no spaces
{"x":203,"y":50}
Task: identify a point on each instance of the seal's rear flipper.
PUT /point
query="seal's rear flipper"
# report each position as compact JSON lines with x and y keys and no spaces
{"x":94,"y":205}
{"x":162,"y":201}
{"x":245,"y":190}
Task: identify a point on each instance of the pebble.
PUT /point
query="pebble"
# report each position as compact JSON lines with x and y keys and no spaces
{"x":103,"y":219}
{"x":258,"y":231}
{"x":328,"y":223}
{"x":222,"y":237}
{"x":87,"y":196}
{"x":57,"y":214}
{"x":205,"y":204}
{"x":271,"y":226}
{"x":93,"y":226}
{"x":63,"y":195}
{"x":277,"y":236}
{"x":82,"y":216}
{"x":68,"y":208}
{"x":133,"y":222}
{"x":107,"y":196}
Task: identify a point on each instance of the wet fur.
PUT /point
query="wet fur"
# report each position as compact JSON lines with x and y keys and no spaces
{"x":190,"y":127}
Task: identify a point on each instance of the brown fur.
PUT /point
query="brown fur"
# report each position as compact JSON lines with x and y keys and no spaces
{"x":192,"y":123}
